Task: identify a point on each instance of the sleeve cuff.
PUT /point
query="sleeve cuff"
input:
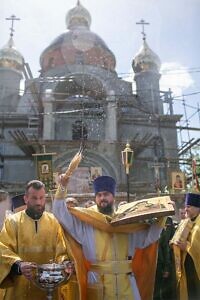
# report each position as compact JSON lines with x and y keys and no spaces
{"x":61,"y":192}
{"x":15,"y":268}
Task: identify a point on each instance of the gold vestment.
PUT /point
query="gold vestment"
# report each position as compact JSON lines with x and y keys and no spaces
{"x":23,"y":238}
{"x":143,"y":265}
{"x":193,"y":249}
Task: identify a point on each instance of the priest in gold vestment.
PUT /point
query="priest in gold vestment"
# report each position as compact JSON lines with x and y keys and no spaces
{"x":187,"y":251}
{"x":108,"y":266}
{"x":29,"y":237}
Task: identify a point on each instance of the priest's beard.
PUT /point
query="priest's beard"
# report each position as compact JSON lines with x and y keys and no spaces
{"x":106,"y":210}
{"x":33,"y":213}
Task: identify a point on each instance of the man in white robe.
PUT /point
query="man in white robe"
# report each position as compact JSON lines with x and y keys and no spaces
{"x":108,"y":251}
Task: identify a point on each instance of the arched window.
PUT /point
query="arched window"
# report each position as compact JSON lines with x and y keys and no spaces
{"x":79,"y":131}
{"x":79,"y":58}
{"x":158,"y":146}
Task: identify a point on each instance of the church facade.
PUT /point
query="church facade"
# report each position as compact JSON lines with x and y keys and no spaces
{"x":79,"y":99}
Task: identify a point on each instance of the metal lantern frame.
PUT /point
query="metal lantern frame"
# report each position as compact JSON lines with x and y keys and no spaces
{"x":127,"y":161}
{"x":127,"y":157}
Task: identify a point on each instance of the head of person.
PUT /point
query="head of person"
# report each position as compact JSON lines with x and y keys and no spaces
{"x":178,"y":182}
{"x":181,"y":213}
{"x":35,"y":198}
{"x":192,"y":205}
{"x":104,"y":189}
{"x":18,"y":203}
{"x":71,"y":202}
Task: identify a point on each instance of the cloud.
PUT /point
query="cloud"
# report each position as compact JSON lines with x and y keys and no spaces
{"x":176,"y":77}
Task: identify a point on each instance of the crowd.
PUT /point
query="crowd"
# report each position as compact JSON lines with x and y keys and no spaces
{"x":133,"y":261}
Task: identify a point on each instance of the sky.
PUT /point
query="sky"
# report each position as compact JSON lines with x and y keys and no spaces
{"x":173,"y":34}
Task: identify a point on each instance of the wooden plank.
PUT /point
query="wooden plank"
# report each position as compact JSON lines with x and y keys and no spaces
{"x":142,"y":210}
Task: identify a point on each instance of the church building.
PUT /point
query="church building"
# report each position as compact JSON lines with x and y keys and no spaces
{"x":79,"y":99}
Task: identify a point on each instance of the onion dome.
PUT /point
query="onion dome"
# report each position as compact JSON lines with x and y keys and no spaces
{"x":78,"y":16}
{"x":77,"y":46}
{"x":10,"y":57}
{"x":146,"y":60}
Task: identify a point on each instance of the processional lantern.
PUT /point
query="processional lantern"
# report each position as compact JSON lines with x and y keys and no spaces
{"x":127,"y":158}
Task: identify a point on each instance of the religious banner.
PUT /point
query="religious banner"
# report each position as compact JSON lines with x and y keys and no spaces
{"x":95,"y":172}
{"x":44,"y":168}
{"x":195,"y":179}
{"x":178,"y":181}
{"x":55,"y":180}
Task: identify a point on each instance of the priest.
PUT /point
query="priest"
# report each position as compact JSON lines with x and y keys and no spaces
{"x":108,"y":266}
{"x":29,"y":237}
{"x":187,"y":258}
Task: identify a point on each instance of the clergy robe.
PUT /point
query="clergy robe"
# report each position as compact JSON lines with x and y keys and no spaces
{"x":189,"y":279}
{"x":108,"y":252}
{"x":23,"y":238}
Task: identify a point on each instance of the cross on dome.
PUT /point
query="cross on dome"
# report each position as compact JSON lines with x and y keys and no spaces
{"x":12,"y":18}
{"x":143,"y":23}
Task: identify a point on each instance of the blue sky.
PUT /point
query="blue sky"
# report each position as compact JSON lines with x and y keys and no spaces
{"x":173,"y":34}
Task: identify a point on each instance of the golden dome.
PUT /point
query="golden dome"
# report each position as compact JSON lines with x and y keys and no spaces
{"x":78,"y":46}
{"x":10,"y":57}
{"x":146,"y":60}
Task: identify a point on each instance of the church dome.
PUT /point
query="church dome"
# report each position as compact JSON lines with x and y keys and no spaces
{"x":78,"y":16}
{"x":77,"y":46}
{"x":10,"y":57}
{"x":146,"y":60}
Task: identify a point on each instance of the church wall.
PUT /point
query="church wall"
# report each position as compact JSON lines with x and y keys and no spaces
{"x":10,"y":148}
{"x":18,"y":171}
{"x":96,"y":130}
{"x":9,"y":90}
{"x":94,"y":125}
{"x":9,"y":79}
{"x":142,"y":171}
{"x":63,"y":129}
{"x":148,"y":91}
{"x":129,"y":129}
{"x":17,"y":167}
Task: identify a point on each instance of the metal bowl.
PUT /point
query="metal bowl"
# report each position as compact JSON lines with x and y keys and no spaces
{"x":48,"y":276}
